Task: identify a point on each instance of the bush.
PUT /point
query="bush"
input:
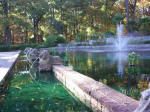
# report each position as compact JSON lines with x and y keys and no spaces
{"x":18,"y":47}
{"x":144,"y":24}
{"x":96,"y":36}
{"x":132,"y":26}
{"x":110,"y":33}
{"x":81,"y":37}
{"x":50,"y":41}
{"x":139,"y":42}
{"x":147,"y":42}
{"x":118,"y":18}
{"x":60,"y":39}
{"x":99,"y":43}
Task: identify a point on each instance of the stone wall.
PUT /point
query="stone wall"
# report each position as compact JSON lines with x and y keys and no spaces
{"x":94,"y":94}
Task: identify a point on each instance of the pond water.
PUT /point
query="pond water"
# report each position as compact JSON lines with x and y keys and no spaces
{"x":112,"y":69}
{"x":38,"y":93}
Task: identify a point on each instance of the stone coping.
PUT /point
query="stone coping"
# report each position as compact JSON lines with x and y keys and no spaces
{"x":129,"y":47}
{"x":7,"y":60}
{"x":112,"y":100}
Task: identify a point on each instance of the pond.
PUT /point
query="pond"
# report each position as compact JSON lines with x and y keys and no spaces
{"x":37,"y":93}
{"x":112,"y":69}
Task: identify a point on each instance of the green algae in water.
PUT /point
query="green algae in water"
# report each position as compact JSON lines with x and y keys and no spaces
{"x":26,"y":95}
{"x":45,"y":94}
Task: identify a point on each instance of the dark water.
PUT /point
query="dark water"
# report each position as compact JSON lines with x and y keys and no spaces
{"x":38,"y":93}
{"x":112,"y":69}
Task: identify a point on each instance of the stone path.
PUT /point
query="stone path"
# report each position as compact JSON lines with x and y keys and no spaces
{"x":6,"y":61}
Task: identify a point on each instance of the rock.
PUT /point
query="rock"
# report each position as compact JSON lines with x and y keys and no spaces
{"x":143,"y":77}
{"x":41,"y":59}
{"x":27,"y":50}
{"x":57,"y":60}
{"x":45,"y":61}
{"x":144,"y":105}
{"x":33,"y":55}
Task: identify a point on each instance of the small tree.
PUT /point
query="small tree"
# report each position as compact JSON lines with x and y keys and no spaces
{"x":132,"y":25}
{"x":50,"y":41}
{"x":145,"y":24}
{"x":37,"y":10}
{"x":118,"y":18}
{"x":60,"y":39}
{"x":81,"y":37}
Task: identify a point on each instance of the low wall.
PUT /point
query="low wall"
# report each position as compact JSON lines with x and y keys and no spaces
{"x":110,"y":48}
{"x":94,"y":94}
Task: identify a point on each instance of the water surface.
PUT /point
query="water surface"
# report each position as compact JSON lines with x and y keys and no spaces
{"x":112,"y":69}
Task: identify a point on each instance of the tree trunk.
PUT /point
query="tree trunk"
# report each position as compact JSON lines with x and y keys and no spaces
{"x":7,"y":29}
{"x":26,"y":29}
{"x":35,"y":31}
{"x":127,"y":13}
{"x":134,"y":7}
{"x":106,"y":15}
{"x":8,"y":35}
{"x":26,"y":35}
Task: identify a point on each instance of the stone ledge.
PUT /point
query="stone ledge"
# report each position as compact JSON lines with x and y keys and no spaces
{"x":94,"y":94}
{"x":7,"y":60}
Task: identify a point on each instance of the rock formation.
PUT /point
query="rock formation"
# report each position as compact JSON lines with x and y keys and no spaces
{"x":144,"y":105}
{"x":32,"y":54}
{"x":44,"y":59}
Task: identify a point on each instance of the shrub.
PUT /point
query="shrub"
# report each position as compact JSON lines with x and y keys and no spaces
{"x":99,"y":43}
{"x":132,"y":25}
{"x":147,"y":42}
{"x":144,"y":24}
{"x":110,"y":33}
{"x":118,"y":18}
{"x":81,"y":37}
{"x":60,"y":39}
{"x":50,"y":41}
{"x":18,"y":47}
{"x":96,"y":36}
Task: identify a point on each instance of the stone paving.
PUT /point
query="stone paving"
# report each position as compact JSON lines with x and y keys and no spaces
{"x":7,"y":59}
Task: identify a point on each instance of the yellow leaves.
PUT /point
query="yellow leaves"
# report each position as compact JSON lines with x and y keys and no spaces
{"x":103,"y":8}
{"x":143,"y":3}
{"x":89,"y":30}
{"x":65,"y":22}
{"x":143,"y":85}
{"x":17,"y":87}
{"x":32,"y":99}
{"x":41,"y":98}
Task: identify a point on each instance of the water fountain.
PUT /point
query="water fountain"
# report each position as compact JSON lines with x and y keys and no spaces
{"x":120,"y":43}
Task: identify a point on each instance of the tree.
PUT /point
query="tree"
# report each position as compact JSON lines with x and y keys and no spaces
{"x":5,"y":6}
{"x":37,"y":10}
{"x":132,"y":8}
{"x":127,"y":12}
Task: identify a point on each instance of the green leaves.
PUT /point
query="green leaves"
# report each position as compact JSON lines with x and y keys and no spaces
{"x":133,"y":59}
{"x":118,"y":18}
{"x":145,"y":20}
{"x":37,"y":9}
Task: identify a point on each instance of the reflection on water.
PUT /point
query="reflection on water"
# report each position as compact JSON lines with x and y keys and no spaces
{"x":113,"y":70}
{"x":120,"y":58}
{"x":44,"y":94}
